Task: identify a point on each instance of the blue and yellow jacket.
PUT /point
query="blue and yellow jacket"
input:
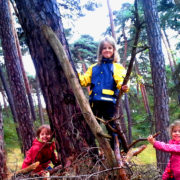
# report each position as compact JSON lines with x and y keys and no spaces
{"x":105,"y":80}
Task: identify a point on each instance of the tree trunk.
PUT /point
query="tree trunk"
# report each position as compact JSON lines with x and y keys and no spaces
{"x":125,"y":45}
{"x":41,"y":117}
{"x":11,"y":104}
{"x":3,"y":167}
{"x":80,"y":97}
{"x":158,"y":76}
{"x":71,"y":131}
{"x":15,"y":76}
{"x":25,"y":78}
{"x":145,"y":98}
{"x":172,"y":61}
{"x":168,"y":52}
{"x":111,"y":20}
{"x":169,"y":47}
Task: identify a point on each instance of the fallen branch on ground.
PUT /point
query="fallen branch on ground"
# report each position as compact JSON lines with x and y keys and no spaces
{"x":28,"y":169}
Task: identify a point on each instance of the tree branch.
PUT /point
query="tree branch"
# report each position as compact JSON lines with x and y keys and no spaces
{"x":126,"y":79}
{"x":142,"y":139}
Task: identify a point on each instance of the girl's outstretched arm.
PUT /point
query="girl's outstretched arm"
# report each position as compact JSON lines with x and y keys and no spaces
{"x":166,"y":147}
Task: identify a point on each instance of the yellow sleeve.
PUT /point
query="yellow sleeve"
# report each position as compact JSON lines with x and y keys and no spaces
{"x":119,"y":75}
{"x":85,"y":79}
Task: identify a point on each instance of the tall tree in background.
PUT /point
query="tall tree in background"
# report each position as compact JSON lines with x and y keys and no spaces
{"x":3,"y":167}
{"x":40,"y":108}
{"x":11,"y":103}
{"x":26,"y":81}
{"x":111,"y":21}
{"x":15,"y":76}
{"x":161,"y":110}
{"x":71,"y":131}
{"x":84,"y":51}
{"x":25,"y":78}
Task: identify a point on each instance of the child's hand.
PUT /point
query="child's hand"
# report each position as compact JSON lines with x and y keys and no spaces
{"x":151,"y":139}
{"x":125,"y":88}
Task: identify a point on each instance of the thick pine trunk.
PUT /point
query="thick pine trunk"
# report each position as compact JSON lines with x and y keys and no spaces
{"x":15,"y":76}
{"x":71,"y":131}
{"x":158,"y":77}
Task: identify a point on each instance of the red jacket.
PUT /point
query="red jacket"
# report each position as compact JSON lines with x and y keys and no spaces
{"x":44,"y":155}
{"x":172,"y":147}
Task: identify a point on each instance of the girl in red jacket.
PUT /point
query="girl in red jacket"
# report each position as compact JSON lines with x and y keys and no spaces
{"x":42,"y":150}
{"x":172,"y":169}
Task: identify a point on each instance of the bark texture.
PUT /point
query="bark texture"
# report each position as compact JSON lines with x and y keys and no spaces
{"x":15,"y":76}
{"x":82,"y":100}
{"x":3,"y":167}
{"x":71,"y":131}
{"x":161,"y":110}
{"x":40,"y":108}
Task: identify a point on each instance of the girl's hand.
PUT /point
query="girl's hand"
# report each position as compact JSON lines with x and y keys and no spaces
{"x":125,"y":88}
{"x":151,"y":139}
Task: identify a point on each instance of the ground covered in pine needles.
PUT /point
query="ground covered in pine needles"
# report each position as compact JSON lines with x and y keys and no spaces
{"x":90,"y":166}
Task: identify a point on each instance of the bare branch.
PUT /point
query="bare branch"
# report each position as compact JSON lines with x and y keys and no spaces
{"x":141,"y":139}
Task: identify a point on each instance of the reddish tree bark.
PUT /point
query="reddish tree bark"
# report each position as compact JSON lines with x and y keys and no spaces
{"x":71,"y":131}
{"x":15,"y":76}
{"x":157,"y":61}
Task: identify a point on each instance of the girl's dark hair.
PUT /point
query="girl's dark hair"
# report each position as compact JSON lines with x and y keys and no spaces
{"x":44,"y":126}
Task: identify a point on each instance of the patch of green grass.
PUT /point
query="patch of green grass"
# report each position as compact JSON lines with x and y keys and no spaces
{"x":14,"y":159}
{"x":148,"y":156}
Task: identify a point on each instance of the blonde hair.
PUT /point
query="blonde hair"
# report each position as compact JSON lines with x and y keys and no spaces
{"x":174,"y":124}
{"x":111,"y":41}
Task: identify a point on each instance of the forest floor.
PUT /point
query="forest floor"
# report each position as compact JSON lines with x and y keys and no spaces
{"x":15,"y":158}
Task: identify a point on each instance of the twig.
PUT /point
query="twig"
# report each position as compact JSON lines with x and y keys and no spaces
{"x":126,"y":79}
{"x":142,"y":139}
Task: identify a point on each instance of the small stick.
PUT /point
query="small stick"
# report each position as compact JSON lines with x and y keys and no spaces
{"x":142,"y":139}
